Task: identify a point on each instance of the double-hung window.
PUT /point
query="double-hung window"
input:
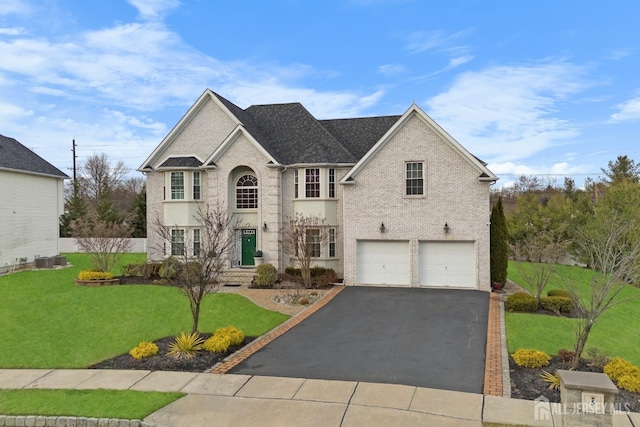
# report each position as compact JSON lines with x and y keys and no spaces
{"x":177,"y":242}
{"x":332,"y":183}
{"x":332,"y":242}
{"x":196,"y":242}
{"x":196,"y":186}
{"x":312,"y":183}
{"x":177,"y":185}
{"x":313,"y":242}
{"x":295,"y":183}
{"x":414,"y":178}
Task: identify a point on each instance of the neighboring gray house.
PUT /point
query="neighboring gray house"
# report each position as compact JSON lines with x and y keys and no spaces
{"x":32,"y":202}
{"x":405,"y":204}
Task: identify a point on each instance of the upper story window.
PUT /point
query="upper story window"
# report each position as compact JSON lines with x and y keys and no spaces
{"x":295,"y":183}
{"x":177,"y":185}
{"x":196,"y":186}
{"x":312,"y":182}
{"x":414,"y":178}
{"x":247,"y":192}
{"x":332,"y":183}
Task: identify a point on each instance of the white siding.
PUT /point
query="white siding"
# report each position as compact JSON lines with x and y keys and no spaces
{"x":29,"y":214}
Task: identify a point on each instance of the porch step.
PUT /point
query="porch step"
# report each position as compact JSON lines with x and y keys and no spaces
{"x":238,"y":277}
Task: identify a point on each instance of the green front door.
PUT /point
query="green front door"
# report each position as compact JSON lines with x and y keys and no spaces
{"x":248,"y":246}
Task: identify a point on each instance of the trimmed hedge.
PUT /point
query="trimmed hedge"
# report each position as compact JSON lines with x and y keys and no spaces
{"x":94,"y":275}
{"x":559,"y":293}
{"x":557,"y":304}
{"x":522,"y":302}
{"x":266,"y":275}
{"x":531,"y":358}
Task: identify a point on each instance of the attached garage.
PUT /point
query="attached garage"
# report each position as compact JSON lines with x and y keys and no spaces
{"x":383,"y":263}
{"x":447,"y":264}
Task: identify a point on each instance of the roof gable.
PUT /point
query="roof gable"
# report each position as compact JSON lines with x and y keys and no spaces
{"x":484,"y":174}
{"x":16,"y":156}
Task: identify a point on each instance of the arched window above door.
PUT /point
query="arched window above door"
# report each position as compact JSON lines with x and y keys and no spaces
{"x":247,"y":192}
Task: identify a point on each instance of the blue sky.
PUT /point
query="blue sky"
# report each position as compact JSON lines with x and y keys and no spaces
{"x":549,"y":88}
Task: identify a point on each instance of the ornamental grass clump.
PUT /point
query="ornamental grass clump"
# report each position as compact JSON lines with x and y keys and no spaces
{"x":185,"y":346}
{"x":531,"y":358}
{"x":144,"y":349}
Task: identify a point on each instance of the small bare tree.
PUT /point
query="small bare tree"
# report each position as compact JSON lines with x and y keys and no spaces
{"x":105,"y":242}
{"x":613,"y":256}
{"x":203,"y":255}
{"x":541,"y":252}
{"x":303,"y":238}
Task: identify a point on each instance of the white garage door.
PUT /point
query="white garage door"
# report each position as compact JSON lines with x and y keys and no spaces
{"x":383,"y":263}
{"x":448,"y":264}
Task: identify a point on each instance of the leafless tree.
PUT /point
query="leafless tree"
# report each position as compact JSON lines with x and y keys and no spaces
{"x":613,"y":256}
{"x":105,"y":242}
{"x":202,"y":257}
{"x":542,"y":252}
{"x":303,"y":238}
{"x":98,"y":175}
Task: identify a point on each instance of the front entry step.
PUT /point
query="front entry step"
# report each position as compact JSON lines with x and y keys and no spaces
{"x":238,"y":277}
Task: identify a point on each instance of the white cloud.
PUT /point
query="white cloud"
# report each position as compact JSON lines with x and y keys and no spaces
{"x":503,"y":113}
{"x":154,"y":8}
{"x":12,"y":31}
{"x":392,"y":70}
{"x":437,"y":40}
{"x":14,"y":6}
{"x":629,"y":110}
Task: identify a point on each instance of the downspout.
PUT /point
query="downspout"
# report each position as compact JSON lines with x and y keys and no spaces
{"x":280,"y":249}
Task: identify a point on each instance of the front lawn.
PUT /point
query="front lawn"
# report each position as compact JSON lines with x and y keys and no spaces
{"x":613,"y":334}
{"x":49,"y":322}
{"x":123,"y":404}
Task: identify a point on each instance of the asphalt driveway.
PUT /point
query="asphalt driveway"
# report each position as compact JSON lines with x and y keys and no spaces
{"x":431,"y":338}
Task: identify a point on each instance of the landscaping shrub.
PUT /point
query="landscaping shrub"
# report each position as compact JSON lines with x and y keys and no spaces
{"x":185,"y":346}
{"x":151,"y":269}
{"x":291,"y":271}
{"x":303,"y":301}
{"x":131,"y":270}
{"x":531,"y":358}
{"x":566,"y":355}
{"x":170,"y":268}
{"x":144,"y":349}
{"x":235,"y":335}
{"x":618,"y":368}
{"x":559,"y":293}
{"x":557,"y":304}
{"x":94,"y":275}
{"x":596,"y":357}
{"x":521,"y":301}
{"x":266,"y":275}
{"x":630,"y":382}
{"x":320,"y":276}
{"x":552,"y":379}
{"x":217,"y":344}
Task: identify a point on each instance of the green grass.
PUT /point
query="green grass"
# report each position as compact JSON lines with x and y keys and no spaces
{"x":49,"y":322}
{"x":123,"y":404}
{"x":612,"y":334}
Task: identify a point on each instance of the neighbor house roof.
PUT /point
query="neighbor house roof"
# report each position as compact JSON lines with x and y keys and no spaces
{"x":15,"y":156}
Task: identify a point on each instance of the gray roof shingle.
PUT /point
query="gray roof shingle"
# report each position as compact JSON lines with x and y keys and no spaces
{"x":16,"y":156}
{"x":182,"y":162}
{"x":292,"y":135}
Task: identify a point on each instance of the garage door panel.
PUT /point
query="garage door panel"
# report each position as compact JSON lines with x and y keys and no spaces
{"x":383,"y":263}
{"x":447,"y":264}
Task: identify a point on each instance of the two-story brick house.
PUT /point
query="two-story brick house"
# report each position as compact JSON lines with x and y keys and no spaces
{"x":404,"y":203}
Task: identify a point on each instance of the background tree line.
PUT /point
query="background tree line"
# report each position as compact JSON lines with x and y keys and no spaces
{"x":102,"y":194}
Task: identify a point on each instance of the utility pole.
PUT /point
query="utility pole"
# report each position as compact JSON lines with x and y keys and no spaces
{"x":75,"y":183}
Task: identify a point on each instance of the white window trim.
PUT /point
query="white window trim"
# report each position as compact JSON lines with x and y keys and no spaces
{"x":405,"y":179}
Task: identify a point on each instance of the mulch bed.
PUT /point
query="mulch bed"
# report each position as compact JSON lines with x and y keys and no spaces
{"x":201,"y":362}
{"x":527,"y":384}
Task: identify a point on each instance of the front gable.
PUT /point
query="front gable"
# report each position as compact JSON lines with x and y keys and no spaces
{"x":412,"y":114}
{"x":200,"y":131}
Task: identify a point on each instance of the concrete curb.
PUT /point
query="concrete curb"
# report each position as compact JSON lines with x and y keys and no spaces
{"x":55,"y":421}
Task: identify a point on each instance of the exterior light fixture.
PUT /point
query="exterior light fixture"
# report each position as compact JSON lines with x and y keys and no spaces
{"x":446,"y":228}
{"x":264,"y":226}
{"x":382,"y":227}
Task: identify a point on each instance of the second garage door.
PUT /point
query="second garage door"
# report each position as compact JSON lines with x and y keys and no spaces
{"x":384,"y":263}
{"x":447,"y":264}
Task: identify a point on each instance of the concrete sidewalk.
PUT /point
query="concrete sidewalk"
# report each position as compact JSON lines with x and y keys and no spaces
{"x":244,"y":400}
